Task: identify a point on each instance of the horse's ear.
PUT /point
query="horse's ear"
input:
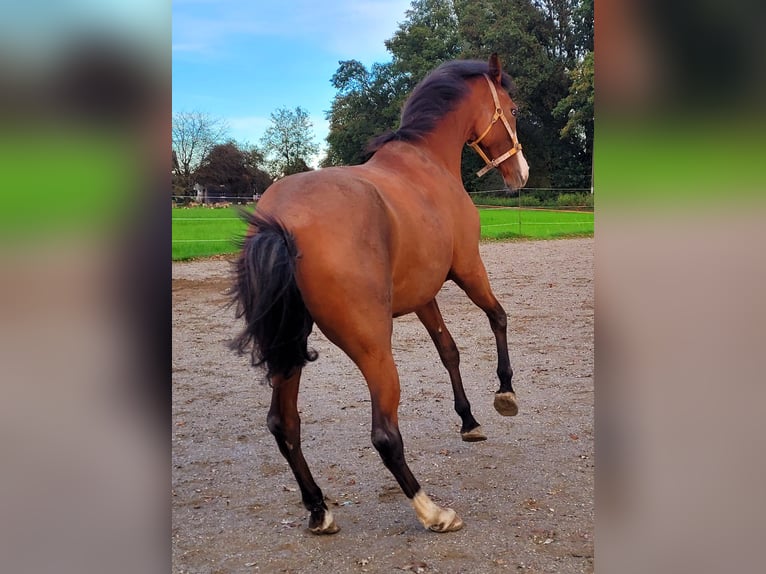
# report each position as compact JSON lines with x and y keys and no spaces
{"x":495,"y":71}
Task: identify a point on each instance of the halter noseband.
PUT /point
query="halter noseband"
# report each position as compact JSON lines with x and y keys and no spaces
{"x":498,"y":115}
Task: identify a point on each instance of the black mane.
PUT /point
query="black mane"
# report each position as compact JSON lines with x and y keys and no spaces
{"x":432,"y":99}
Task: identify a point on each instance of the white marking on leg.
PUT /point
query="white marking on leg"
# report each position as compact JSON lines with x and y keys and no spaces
{"x":433,"y":516}
{"x":425,"y":508}
{"x":329,"y":519}
{"x":328,"y":525}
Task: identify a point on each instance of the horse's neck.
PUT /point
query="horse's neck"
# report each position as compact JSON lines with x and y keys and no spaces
{"x":442,"y":146}
{"x":428,"y":155}
{"x":446,"y":144}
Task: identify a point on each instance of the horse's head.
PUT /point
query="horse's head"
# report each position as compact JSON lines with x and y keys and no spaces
{"x":495,"y":138}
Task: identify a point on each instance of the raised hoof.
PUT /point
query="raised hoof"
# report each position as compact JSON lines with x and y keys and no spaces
{"x":328,"y":526}
{"x":450,"y":523}
{"x":505,"y":404}
{"x":473,"y":435}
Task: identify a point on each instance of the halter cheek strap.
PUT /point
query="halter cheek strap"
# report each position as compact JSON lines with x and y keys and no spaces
{"x":516,"y":147}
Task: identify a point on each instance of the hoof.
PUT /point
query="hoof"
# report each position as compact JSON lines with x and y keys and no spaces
{"x":473,"y":435}
{"x":450,"y":522}
{"x":434,"y":517}
{"x":505,"y":404}
{"x":328,"y":526}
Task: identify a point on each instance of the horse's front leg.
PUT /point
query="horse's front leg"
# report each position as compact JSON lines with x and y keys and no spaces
{"x":476,"y":286}
{"x":431,"y":318}
{"x":505,"y":397}
{"x":285,"y":424}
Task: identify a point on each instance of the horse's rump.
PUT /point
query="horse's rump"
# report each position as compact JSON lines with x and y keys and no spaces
{"x":277,"y":323}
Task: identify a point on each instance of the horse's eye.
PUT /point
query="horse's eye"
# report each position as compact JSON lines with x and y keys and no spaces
{"x":514,"y":111}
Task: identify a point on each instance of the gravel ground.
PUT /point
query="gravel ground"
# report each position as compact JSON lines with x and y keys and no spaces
{"x":525,"y":494}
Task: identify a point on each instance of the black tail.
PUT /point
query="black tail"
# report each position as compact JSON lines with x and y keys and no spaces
{"x":277,"y":323}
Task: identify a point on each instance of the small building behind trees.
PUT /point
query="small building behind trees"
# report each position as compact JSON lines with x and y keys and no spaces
{"x":212,"y":193}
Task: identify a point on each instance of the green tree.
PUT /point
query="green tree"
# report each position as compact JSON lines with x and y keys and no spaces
{"x":583,"y":26}
{"x":560,"y":17}
{"x":288,"y":144}
{"x":577,"y":108}
{"x":427,"y":37}
{"x":367,"y":104}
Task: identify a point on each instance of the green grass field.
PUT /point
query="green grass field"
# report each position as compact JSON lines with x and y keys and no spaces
{"x":203,"y":231}
{"x":534,"y":223}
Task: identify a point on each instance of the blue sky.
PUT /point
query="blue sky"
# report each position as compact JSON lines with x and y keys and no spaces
{"x":241,"y":60}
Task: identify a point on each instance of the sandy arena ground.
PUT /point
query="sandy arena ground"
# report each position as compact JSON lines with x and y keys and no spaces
{"x":525,"y":494}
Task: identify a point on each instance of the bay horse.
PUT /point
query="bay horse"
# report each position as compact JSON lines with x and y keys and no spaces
{"x":349,"y":248}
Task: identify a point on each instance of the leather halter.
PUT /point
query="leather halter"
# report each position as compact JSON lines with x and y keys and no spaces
{"x":498,"y":115}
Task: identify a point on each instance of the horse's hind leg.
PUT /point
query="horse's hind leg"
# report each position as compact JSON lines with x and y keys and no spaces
{"x":285,"y":424}
{"x":432,"y":319}
{"x":383,"y":381}
{"x":366,"y":338}
{"x":476,"y":286}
